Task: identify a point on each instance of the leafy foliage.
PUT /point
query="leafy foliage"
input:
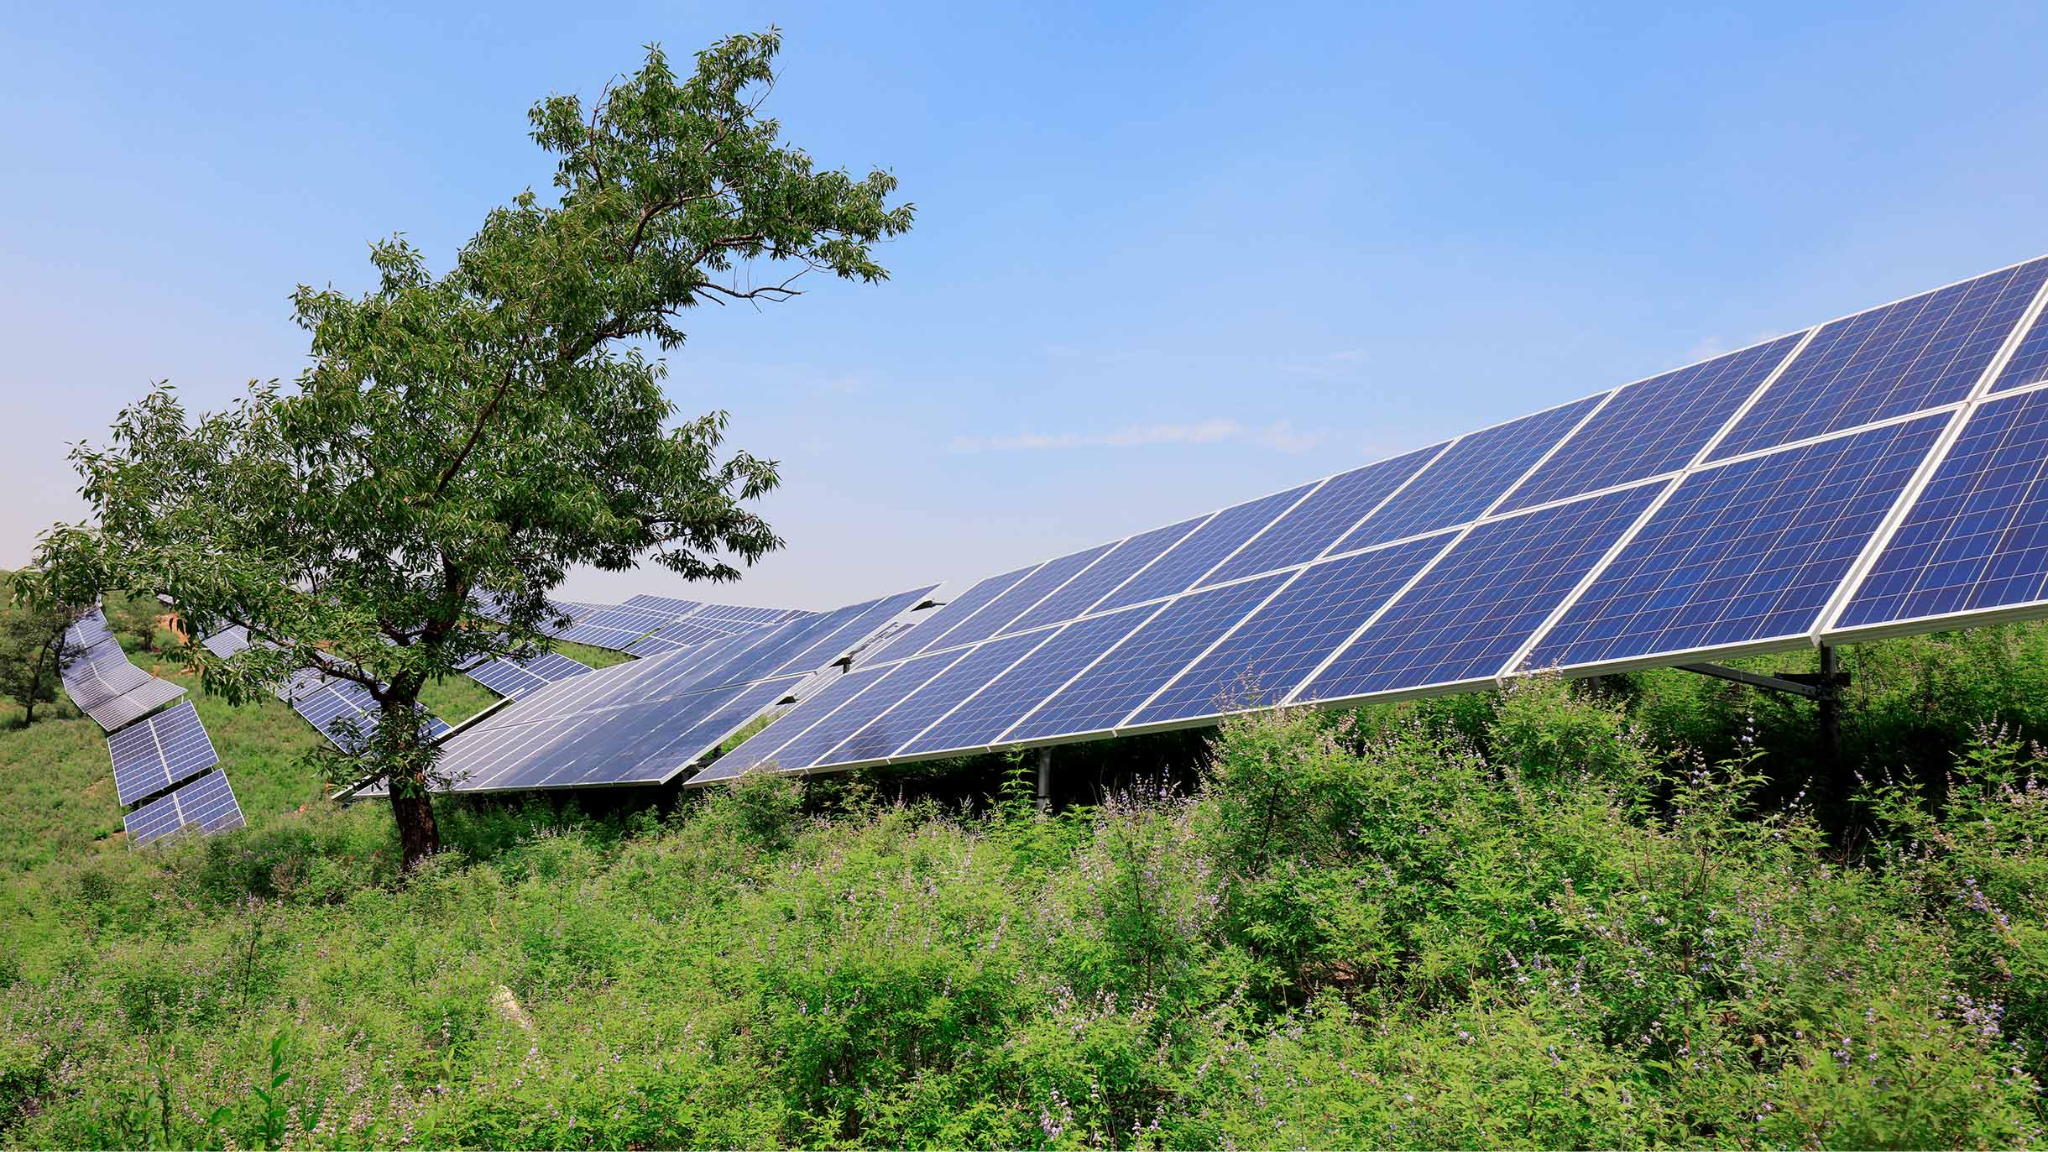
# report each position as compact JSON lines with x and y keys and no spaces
{"x":1525,"y":919}
{"x":33,"y":651}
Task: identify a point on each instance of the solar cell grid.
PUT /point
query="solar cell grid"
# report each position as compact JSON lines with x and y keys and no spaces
{"x":1654,"y":426}
{"x":1128,"y":557}
{"x":996,"y":615}
{"x":206,"y":805}
{"x":1469,"y":476}
{"x":227,"y":641}
{"x":515,"y":678}
{"x":1742,"y":553}
{"x":158,"y":752}
{"x":1115,"y":685}
{"x":1307,"y":530}
{"x":931,"y":632}
{"x":1188,"y":561}
{"x":982,"y":718}
{"x":1466,"y":616}
{"x":2029,"y":362}
{"x":1976,"y":539}
{"x":1277,"y":646}
{"x":1904,"y":357}
{"x":672,"y":606}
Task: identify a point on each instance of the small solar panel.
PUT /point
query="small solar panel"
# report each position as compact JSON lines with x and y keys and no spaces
{"x":997,"y":614}
{"x":981,"y":719}
{"x":1977,"y":538}
{"x":1468,"y":477}
{"x":1100,"y":697}
{"x":1188,"y":561}
{"x":1287,"y":638}
{"x":672,"y":605}
{"x":1744,"y":552}
{"x":103,"y":682}
{"x":931,"y":632}
{"x":1905,"y":357}
{"x":1083,"y":592}
{"x":227,"y":641}
{"x":616,"y":627}
{"x":161,"y":751}
{"x":1465,"y":617}
{"x":1653,"y":426}
{"x":206,"y":805}
{"x":516,"y":678}
{"x":1309,"y":529}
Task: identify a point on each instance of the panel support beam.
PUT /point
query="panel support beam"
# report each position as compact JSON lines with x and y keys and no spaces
{"x":1045,"y":781}
{"x":1754,"y":679}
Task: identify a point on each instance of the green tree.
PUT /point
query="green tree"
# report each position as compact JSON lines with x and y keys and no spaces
{"x":481,"y":431}
{"x":133,"y":615}
{"x":33,"y":650}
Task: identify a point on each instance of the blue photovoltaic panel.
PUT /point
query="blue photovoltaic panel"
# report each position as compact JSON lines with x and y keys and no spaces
{"x":1146,"y":659}
{"x":1084,"y":590}
{"x":645,"y":743}
{"x":994,"y":619}
{"x":516,"y":678}
{"x":615,"y":627}
{"x":1741,"y":553}
{"x":158,"y":752}
{"x":206,"y":804}
{"x":792,"y":727}
{"x":888,"y":732}
{"x":103,"y":682}
{"x":1652,"y":427}
{"x":1286,"y":639}
{"x":682,"y":634}
{"x":2029,"y":363}
{"x":1308,"y":530}
{"x":1206,"y":547}
{"x":228,"y":641}
{"x":1977,"y":537}
{"x":931,"y":631}
{"x":982,"y":719}
{"x":1460,"y":484}
{"x":671,"y":606}
{"x":857,"y":624}
{"x":1918,"y":353}
{"x":1465,"y":617}
{"x":846,"y":708}
{"x":747,"y":614}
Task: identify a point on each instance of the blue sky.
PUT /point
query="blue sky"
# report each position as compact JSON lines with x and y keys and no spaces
{"x":1166,"y":257}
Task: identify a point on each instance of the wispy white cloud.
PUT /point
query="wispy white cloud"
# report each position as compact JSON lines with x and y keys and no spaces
{"x":1280,"y":437}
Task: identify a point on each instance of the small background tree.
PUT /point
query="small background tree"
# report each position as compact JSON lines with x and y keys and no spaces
{"x":33,"y":651}
{"x":488,"y":428}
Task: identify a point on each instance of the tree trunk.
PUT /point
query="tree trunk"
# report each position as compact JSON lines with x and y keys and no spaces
{"x":412,"y":809}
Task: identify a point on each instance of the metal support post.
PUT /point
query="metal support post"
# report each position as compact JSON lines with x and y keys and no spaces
{"x":1044,"y":781}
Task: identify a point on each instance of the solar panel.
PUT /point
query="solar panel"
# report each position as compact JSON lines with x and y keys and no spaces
{"x":1470,"y":476}
{"x":1465,"y":616}
{"x":1887,"y":471}
{"x":1309,"y":529}
{"x":673,"y":606}
{"x":322,"y":700}
{"x":227,"y":641}
{"x":161,"y":751}
{"x":516,"y":678}
{"x":642,"y":723}
{"x":1976,"y":541}
{"x":1916,"y":354}
{"x":1141,"y":662}
{"x":1743,"y":552}
{"x":103,"y":682}
{"x":206,"y":805}
{"x":1203,"y":549}
{"x":616,"y":627}
{"x":1654,"y":426}
{"x":1282,"y":641}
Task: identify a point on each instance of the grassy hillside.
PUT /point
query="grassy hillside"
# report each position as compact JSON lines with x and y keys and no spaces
{"x":1622,"y":913}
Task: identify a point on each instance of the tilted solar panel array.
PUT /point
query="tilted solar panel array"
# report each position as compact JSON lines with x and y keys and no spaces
{"x":206,"y":805}
{"x":515,"y":678}
{"x":1884,"y":471}
{"x":644,"y":721}
{"x":154,"y":754}
{"x":103,"y":682}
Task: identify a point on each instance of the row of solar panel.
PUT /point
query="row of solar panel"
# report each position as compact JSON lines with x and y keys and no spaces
{"x":648,"y":625}
{"x":644,"y":721}
{"x":103,"y":682}
{"x":1381,"y":581}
